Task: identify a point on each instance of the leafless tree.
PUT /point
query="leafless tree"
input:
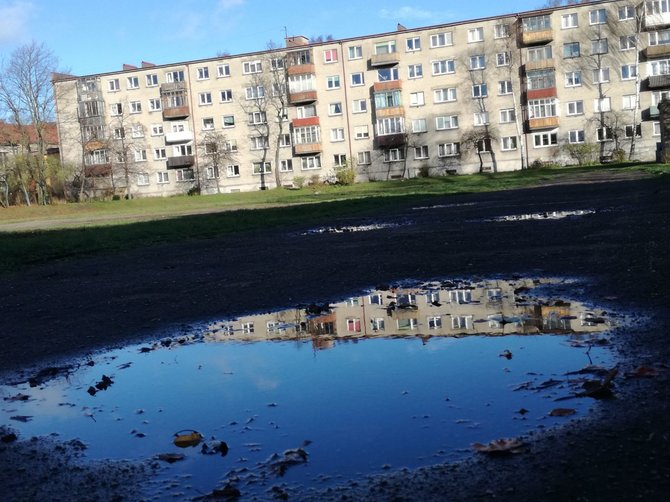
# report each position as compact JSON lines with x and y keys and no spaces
{"x":217,"y":151}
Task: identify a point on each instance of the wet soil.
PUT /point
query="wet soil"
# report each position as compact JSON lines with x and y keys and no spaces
{"x":618,"y":254}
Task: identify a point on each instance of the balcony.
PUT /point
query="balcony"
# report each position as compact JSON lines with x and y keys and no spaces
{"x":178,"y":137}
{"x":389,"y":85}
{"x":653,"y":112}
{"x":180,"y":161}
{"x":301,"y":69}
{"x":305,"y":122}
{"x":537,"y":37}
{"x":95,"y":144}
{"x":172,"y":87}
{"x":388,"y":59}
{"x":390,"y":140}
{"x":543,"y":123}
{"x":303,"y":97}
{"x":307,"y":148}
{"x":653,"y":21}
{"x":655,"y":51}
{"x":98,"y":170}
{"x":548,"y":92}
{"x":393,"y":111}
{"x":176,"y":112}
{"x":540,"y":64}
{"x":659,"y":81}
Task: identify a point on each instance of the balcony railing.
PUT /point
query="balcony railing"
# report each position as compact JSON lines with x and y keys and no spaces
{"x":540,"y":64}
{"x":388,"y":59}
{"x":305,"y":122}
{"x":390,"y":140}
{"x":542,"y":123}
{"x":180,"y":161}
{"x":98,"y":170}
{"x":655,"y":20}
{"x":302,"y":97}
{"x":548,"y":92}
{"x":176,"y":112}
{"x":178,"y":137}
{"x":301,"y":69}
{"x":654,"y":51}
{"x":537,"y":37}
{"x":307,"y":148}
{"x":659,"y":81}
{"x":389,"y":85}
{"x":393,"y":111}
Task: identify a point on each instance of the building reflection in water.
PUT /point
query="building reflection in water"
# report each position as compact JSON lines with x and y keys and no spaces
{"x":446,"y":308}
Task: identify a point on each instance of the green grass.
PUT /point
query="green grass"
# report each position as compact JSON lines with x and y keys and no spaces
{"x":67,"y":230}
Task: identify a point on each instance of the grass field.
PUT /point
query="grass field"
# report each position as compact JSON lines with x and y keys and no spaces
{"x":38,"y":234}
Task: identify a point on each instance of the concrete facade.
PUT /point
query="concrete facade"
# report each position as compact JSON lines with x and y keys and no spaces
{"x":563,"y":85}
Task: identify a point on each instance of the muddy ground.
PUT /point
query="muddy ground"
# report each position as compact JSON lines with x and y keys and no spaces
{"x":618,"y":254}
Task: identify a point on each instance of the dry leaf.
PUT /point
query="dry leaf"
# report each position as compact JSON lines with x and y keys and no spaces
{"x":562,"y":412}
{"x":500,"y":446}
{"x":643,"y":372}
{"x":191,"y":438}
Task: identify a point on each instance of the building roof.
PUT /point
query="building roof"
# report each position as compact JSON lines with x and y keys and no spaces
{"x":11,"y":134}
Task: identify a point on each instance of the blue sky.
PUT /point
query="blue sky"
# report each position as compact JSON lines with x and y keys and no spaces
{"x":99,"y":36}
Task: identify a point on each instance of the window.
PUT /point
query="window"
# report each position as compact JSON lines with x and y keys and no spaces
{"x":659,"y":37}
{"x":252,"y":67}
{"x":333,"y":82}
{"x":575,"y":107}
{"x":174,"y":76}
{"x":257,"y":118}
{"x":508,"y":143}
{"x":337,"y":134}
{"x":387,"y":47}
{"x":633,"y":130}
{"x":502,"y":59}
{"x":501,"y":31}
{"x":601,"y":75}
{"x":479,"y":91}
{"x":569,"y":21}
{"x":414,"y":71}
{"x":443,"y":66}
{"x":142,"y":179}
{"x":571,"y":50}
{"x":656,"y":129}
{"x":254,"y":92}
{"x":444,"y":95}
{"x":154,"y":105}
{"x":540,"y":53}
{"x":413,"y":44}
{"x":212,"y":172}
{"x":335,"y":109}
{"x":536,"y":23}
{"x":185,"y":175}
{"x":390,"y":125}
{"x":602,"y":105}
{"x":140,"y":155}
{"x":133,"y":83}
{"x":308,"y":163}
{"x":226,"y":96}
{"x":262,"y":167}
{"x":416,"y":99}
{"x":658,"y":67}
{"x":377,"y":324}
{"x":448,"y":149}
{"x":361,"y":132}
{"x":604,"y":134}
{"x":157,"y":129}
{"x":259,"y":142}
{"x":387,"y":74}
{"x":181,"y":150}
{"x":286,"y":166}
{"x":545,"y":139}
{"x":576,"y":136}
{"x":364,"y":158}
{"x":211,"y":148}
{"x":598,"y":16}
{"x":113,"y":85}
{"x":203,"y":73}
{"x":541,"y":108}
{"x":627,"y":42}
{"x":419,"y":126}
{"x":205,"y":98}
{"x":461,"y":322}
{"x":599,"y":46}
{"x":389,"y":99}
{"x":626,"y":12}
{"x":573,"y":79}
{"x":232,"y":171}
{"x":421,"y":152}
{"x":228,"y":121}
{"x":507,"y":115}
{"x":629,"y":102}
{"x":355,"y":52}
{"x":285,"y":140}
{"x":163,"y":177}
{"x":357,"y":79}
{"x":330,"y":56}
{"x":339,"y":160}
{"x":478,"y":62}
{"x":137,"y":131}
{"x":476,"y":35}
{"x":657,"y":7}
{"x":135,"y":107}
{"x":449,"y":122}
{"x":481,"y":118}
{"x":504,"y":87}
{"x":119,"y":133}
{"x":223,"y":70}
{"x":354,"y":325}
{"x":306,"y":135}
{"x":207,"y":124}
{"x":628,"y":72}
{"x":394,"y":155}
{"x":152,"y":81}
{"x":360,"y":105}
{"x":441,"y":39}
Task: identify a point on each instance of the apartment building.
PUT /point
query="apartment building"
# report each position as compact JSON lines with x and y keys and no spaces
{"x":568,"y":84}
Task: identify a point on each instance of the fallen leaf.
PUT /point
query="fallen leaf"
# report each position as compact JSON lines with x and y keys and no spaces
{"x":562,"y":412}
{"x":500,"y":446}
{"x":192,"y":438}
{"x":171,"y":458}
{"x":643,"y":372}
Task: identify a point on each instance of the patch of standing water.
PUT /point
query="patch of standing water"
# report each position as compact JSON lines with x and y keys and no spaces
{"x":352,"y":228}
{"x":316,"y":395}
{"x":549,"y":215}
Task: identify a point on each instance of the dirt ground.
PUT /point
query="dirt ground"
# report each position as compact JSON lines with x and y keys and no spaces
{"x":618,"y":254}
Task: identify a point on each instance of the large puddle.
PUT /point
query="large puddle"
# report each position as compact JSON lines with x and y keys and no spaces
{"x":316,"y":395}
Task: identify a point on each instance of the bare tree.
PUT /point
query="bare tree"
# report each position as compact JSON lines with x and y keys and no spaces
{"x":217,"y":151}
{"x":127,"y":149}
{"x":26,"y":95}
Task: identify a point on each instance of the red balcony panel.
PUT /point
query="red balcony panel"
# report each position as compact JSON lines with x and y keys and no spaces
{"x":549,"y":92}
{"x":389,"y":85}
{"x":308,"y":121}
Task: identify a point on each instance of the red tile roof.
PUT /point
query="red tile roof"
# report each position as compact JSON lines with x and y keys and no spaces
{"x":12,"y":133}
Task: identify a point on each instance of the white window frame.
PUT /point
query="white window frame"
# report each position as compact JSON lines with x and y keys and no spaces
{"x":223,"y":70}
{"x":443,"y":39}
{"x":476,"y":35}
{"x":417,"y":98}
{"x":446,"y":122}
{"x":573,"y":108}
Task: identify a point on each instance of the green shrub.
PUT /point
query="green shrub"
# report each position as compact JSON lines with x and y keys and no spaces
{"x":345,"y":175}
{"x":299,"y":181}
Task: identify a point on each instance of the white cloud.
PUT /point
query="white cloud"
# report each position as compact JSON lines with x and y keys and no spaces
{"x":404,"y":13}
{"x":229,"y":4}
{"x":14,"y":18}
